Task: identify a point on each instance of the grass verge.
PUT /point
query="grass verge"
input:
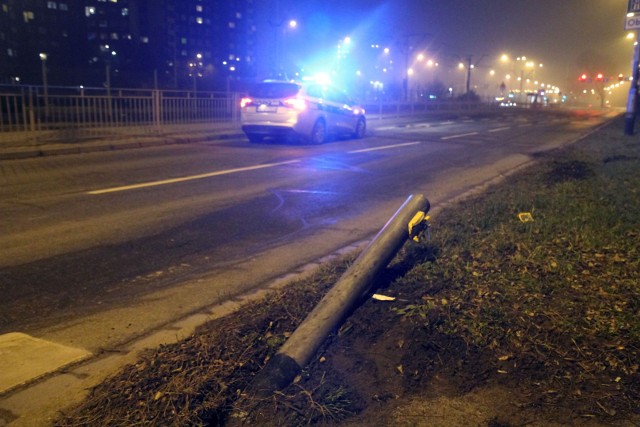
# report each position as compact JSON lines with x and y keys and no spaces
{"x":544,"y":305}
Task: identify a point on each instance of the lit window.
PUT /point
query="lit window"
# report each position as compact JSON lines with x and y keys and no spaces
{"x":199,"y":8}
{"x":52,"y":5}
{"x":113,"y":1}
{"x":89,"y":10}
{"x":28,"y":16}
{"x":232,"y":24}
{"x":183,"y":40}
{"x":199,"y":20}
{"x":144,"y":39}
{"x":238,"y":15}
{"x":63,"y":6}
{"x":10,"y":52}
{"x":114,"y":36}
{"x":5,"y":8}
{"x":125,"y":12}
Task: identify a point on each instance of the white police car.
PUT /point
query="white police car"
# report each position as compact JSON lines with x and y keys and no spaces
{"x":307,"y":111}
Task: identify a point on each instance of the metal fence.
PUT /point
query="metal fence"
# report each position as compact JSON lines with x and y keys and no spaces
{"x":70,"y":114}
{"x":47,"y":113}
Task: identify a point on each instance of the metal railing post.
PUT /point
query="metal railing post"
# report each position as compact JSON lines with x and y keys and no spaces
{"x":157,"y":110}
{"x":32,"y":119}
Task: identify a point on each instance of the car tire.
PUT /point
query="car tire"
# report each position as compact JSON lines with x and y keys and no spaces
{"x":255,"y":139}
{"x":361,"y":128}
{"x":318,"y":133}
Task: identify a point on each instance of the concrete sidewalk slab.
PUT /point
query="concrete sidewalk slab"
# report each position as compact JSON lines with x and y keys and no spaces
{"x":24,"y":358}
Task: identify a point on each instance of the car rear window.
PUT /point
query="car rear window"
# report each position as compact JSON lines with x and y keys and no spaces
{"x":274,"y":90}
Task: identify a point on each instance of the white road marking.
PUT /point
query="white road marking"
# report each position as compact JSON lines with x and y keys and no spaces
{"x":499,"y":129}
{"x":385,"y":147}
{"x":269,"y":165}
{"x":189,"y":178}
{"x":459,"y":136}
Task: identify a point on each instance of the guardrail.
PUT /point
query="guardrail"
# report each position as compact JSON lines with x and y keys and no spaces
{"x":404,"y":108}
{"x":69,"y":114}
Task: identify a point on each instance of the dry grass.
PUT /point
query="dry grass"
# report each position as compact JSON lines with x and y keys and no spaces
{"x":549,"y":309}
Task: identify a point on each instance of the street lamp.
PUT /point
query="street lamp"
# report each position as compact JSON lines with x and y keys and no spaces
{"x":525,"y":70}
{"x":45,"y":85}
{"x":109,"y":54}
{"x":194,"y":70}
{"x":278,"y":24}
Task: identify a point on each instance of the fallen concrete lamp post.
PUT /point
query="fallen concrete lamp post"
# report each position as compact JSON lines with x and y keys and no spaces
{"x":298,"y":350}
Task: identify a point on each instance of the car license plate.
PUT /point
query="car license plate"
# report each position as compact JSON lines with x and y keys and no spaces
{"x":264,"y":108}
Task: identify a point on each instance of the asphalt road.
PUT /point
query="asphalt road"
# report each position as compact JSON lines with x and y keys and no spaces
{"x":100,"y":248}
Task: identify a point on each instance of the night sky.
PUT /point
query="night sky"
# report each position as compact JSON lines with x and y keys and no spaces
{"x":568,"y":36}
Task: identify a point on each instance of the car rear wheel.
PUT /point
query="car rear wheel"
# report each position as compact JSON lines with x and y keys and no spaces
{"x":318,"y":133}
{"x":255,"y":138}
{"x":361,"y":128}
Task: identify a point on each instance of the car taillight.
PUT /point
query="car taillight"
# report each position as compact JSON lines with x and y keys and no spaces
{"x":245,"y":101}
{"x":296,"y":103}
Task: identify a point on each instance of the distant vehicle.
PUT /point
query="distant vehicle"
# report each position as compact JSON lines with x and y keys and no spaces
{"x":509,"y":101}
{"x":307,"y":111}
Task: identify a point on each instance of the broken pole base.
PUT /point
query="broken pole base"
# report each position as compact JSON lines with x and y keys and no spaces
{"x":276,"y":375}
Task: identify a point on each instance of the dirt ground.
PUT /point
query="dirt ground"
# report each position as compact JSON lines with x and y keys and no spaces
{"x":497,"y":321}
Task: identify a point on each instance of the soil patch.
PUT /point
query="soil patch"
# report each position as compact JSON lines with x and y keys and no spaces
{"x":501,"y":319}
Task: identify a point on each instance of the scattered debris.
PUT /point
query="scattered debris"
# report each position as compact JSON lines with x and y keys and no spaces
{"x":380,"y":297}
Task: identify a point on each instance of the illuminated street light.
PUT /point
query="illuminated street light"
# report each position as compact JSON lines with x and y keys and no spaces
{"x":526,"y":68}
{"x":280,"y":26}
{"x":45,"y":85}
{"x":195,"y":70}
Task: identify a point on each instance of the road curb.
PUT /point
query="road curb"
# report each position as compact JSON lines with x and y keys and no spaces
{"x":44,"y":151}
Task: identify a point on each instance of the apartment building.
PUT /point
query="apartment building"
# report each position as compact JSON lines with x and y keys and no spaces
{"x":127,"y":43}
